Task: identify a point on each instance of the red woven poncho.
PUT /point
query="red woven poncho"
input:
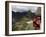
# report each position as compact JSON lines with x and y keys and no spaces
{"x":37,"y":22}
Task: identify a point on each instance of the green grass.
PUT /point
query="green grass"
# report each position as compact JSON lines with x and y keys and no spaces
{"x":21,"y":25}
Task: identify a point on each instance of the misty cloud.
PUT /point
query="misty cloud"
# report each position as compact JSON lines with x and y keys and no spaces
{"x":16,"y":8}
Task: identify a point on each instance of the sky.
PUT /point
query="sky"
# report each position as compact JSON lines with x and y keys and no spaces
{"x":16,"y":8}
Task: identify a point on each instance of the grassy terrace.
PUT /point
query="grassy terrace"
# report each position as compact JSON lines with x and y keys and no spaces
{"x":23,"y":25}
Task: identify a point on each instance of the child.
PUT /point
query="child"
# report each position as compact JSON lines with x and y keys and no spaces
{"x":37,"y":22}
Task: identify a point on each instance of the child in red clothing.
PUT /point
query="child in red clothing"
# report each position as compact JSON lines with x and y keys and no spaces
{"x":37,"y":22}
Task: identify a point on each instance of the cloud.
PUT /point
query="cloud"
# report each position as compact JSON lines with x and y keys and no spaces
{"x":24,"y":8}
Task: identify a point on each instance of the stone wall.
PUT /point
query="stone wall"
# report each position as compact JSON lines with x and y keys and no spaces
{"x":38,"y":12}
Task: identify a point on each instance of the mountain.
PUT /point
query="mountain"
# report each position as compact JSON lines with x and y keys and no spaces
{"x":19,"y":15}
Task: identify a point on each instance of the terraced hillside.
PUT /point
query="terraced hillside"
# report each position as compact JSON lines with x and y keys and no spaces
{"x":22,"y":21}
